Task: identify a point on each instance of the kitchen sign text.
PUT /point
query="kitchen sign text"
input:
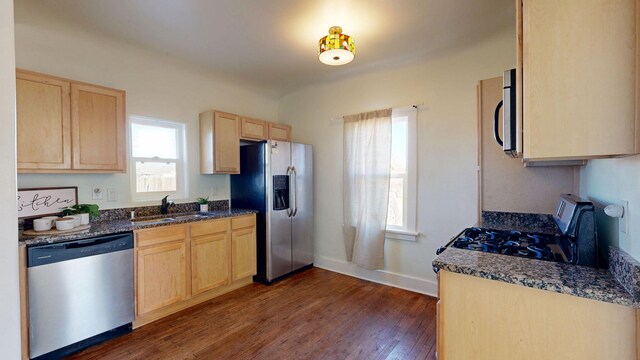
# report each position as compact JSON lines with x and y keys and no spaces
{"x":45,"y":201}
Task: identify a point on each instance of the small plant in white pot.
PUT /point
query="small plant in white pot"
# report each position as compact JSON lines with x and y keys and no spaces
{"x":204,"y":203}
{"x":84,"y":211}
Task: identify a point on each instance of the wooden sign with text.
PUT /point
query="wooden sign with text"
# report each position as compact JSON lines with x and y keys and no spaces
{"x":45,"y":201}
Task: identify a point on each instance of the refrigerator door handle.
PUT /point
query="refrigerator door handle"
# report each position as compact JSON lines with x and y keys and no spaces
{"x":289,"y":209}
{"x":295,"y":191}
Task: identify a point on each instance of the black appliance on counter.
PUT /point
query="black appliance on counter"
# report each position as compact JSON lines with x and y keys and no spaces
{"x":576,"y":242}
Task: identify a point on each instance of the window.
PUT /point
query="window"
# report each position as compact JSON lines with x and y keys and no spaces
{"x":401,"y":218}
{"x":157,"y":165}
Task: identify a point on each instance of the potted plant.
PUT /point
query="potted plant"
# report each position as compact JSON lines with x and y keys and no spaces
{"x":204,"y":203}
{"x":85,"y":211}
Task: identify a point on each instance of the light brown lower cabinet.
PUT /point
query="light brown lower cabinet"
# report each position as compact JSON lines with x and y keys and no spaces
{"x":162,"y":271}
{"x":243,"y":247}
{"x":179,"y":266}
{"x":210,"y":262}
{"x":243,"y":253}
{"x":488,"y":319}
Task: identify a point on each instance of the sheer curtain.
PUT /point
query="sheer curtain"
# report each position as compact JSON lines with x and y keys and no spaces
{"x":366,"y":170}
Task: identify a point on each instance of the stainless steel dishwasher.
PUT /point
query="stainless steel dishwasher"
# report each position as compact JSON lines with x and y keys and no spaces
{"x":80,"y":293}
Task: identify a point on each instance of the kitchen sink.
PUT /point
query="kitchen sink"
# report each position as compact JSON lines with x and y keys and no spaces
{"x":152,"y":221}
{"x":188,"y":217}
{"x":143,"y":221}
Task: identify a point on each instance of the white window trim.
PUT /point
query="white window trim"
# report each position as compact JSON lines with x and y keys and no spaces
{"x":409,"y":233}
{"x":182,"y":192}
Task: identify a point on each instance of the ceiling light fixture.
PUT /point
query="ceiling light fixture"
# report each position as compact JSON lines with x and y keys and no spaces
{"x":336,"y":48}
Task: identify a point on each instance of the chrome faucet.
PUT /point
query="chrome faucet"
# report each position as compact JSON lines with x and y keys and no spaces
{"x":164,"y":208}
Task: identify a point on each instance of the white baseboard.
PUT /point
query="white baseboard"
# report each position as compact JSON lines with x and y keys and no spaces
{"x":401,"y":281}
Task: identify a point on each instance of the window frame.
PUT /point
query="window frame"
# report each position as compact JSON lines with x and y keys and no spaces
{"x":181,"y":192}
{"x":408,"y":231}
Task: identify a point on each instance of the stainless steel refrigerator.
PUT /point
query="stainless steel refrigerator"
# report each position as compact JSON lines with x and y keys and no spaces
{"x":276,"y":179}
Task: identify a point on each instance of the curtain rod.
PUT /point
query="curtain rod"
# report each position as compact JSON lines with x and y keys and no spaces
{"x":338,"y":119}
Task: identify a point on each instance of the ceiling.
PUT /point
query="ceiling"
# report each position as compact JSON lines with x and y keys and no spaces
{"x":271,"y":44}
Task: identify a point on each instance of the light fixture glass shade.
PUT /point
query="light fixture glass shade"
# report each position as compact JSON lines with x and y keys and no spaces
{"x":336,"y":48}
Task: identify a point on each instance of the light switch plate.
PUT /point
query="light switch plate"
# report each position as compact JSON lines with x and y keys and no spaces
{"x":112,"y":195}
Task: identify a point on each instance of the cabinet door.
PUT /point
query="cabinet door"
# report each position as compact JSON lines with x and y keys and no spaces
{"x":279,"y":132}
{"x":161,"y":276}
{"x":43,"y":127}
{"x":579,"y":88}
{"x":253,"y":129}
{"x":474,"y":312}
{"x":243,"y":253}
{"x":97,"y":118}
{"x":209,"y":262}
{"x":226,"y":142}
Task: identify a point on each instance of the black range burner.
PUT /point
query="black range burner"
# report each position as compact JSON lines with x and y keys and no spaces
{"x":515,"y":243}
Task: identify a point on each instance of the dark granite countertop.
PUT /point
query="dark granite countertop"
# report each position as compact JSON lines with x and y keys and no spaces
{"x":581,"y":281}
{"x":115,"y":226}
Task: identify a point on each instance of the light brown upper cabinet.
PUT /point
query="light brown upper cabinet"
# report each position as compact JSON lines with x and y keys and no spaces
{"x":577,"y":69}
{"x":279,"y":132}
{"x":252,"y":129}
{"x":97,"y":123}
{"x":44,"y":122}
{"x":219,"y":143}
{"x":66,"y":126}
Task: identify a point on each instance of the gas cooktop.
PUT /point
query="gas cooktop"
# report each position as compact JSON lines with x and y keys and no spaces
{"x":515,"y":243}
{"x":576,"y":241}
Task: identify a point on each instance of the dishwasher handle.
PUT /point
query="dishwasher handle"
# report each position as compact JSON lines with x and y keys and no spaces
{"x":89,"y":242}
{"x":52,"y":253}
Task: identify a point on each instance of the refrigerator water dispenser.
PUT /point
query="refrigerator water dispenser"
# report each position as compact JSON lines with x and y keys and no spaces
{"x":280,"y":192}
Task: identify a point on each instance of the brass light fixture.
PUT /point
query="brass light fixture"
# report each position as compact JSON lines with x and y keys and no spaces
{"x":336,"y":48}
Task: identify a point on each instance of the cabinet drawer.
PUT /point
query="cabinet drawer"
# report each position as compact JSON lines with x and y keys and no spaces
{"x":209,"y":227}
{"x":243,"y":221}
{"x":160,"y":235}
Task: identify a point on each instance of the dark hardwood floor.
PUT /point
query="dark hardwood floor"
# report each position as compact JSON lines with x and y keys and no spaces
{"x":316,"y":314}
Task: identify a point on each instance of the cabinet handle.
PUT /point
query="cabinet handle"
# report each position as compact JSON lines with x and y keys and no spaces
{"x":496,"y":116}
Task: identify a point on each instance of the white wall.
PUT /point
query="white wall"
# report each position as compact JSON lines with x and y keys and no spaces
{"x":447,"y":130}
{"x":156,"y":86}
{"x":10,"y":296}
{"x":608,"y":181}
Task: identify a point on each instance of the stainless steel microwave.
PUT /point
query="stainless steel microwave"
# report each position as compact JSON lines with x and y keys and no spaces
{"x":508,"y":103}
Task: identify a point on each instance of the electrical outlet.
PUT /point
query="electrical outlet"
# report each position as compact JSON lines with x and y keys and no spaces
{"x":96,"y":193}
{"x":112,"y":195}
{"x":624,"y":220}
{"x":214,"y":190}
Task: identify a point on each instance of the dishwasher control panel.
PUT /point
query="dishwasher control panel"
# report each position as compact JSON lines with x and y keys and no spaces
{"x":51,"y":253}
